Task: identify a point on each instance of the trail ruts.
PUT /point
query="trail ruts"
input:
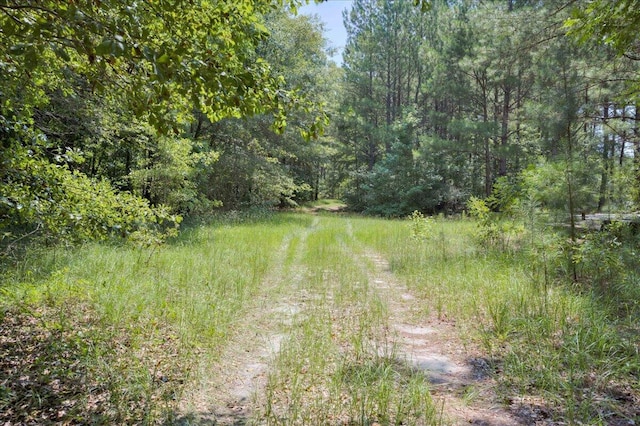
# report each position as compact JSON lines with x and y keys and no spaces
{"x":233,"y":393}
{"x":233,"y":385}
{"x":461,"y":386}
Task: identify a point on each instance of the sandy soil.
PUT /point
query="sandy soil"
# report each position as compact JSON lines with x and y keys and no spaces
{"x":461,"y":383}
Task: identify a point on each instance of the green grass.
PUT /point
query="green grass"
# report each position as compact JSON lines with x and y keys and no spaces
{"x":132,"y":329}
{"x":324,"y":205}
{"x":335,"y":367}
{"x":152,"y":315}
{"x":559,"y":343}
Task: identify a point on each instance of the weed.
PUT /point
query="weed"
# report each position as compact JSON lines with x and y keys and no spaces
{"x":153,"y":318}
{"x":336,"y":367}
{"x":568,"y":348}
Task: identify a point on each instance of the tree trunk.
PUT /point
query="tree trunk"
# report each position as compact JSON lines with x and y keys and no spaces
{"x":608,"y":149}
{"x":636,"y":152}
{"x":623,"y":142}
{"x":504,"y":135}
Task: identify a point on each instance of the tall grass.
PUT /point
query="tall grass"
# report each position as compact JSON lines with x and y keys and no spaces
{"x":336,"y":367}
{"x":131,"y":325}
{"x":554,"y":341}
{"x":154,"y":315}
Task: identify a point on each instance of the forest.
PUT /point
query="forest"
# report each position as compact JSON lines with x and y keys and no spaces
{"x":131,"y":131}
{"x":118,"y":117}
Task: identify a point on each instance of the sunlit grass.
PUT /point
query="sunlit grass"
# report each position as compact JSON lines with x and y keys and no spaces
{"x":335,"y":368}
{"x":142,"y":320}
{"x":324,"y":205}
{"x":157,"y":310}
{"x":556,"y":342}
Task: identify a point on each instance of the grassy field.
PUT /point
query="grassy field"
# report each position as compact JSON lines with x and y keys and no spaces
{"x":113,"y":334}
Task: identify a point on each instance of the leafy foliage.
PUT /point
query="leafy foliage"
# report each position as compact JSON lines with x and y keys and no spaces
{"x":257,"y":165}
{"x":548,"y":184}
{"x":169,"y":57}
{"x":612,"y":22}
{"x":421,"y":226}
{"x":96,"y":98}
{"x":497,"y":230}
{"x":64,"y":205}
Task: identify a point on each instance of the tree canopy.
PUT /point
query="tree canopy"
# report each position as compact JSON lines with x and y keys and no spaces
{"x":86,"y":79}
{"x":169,"y":57}
{"x":185,"y":104}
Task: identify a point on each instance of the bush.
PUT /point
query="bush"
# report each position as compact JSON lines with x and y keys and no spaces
{"x":494,"y":229}
{"x":47,"y":199}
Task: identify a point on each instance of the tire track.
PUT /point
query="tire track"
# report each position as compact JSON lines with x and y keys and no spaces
{"x":234,"y":385}
{"x":461,"y":386}
{"x":235,"y":392}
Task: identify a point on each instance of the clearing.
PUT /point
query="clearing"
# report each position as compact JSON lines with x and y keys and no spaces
{"x":305,"y":319}
{"x":331,"y":275}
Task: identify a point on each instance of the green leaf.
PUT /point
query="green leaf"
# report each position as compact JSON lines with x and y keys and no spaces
{"x":163,"y":59}
{"x":62,"y":54}
{"x":19,"y":49}
{"x":104,"y":48}
{"x":9,"y":28}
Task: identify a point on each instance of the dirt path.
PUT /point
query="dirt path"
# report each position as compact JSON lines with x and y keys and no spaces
{"x":234,"y":385}
{"x":461,"y":386}
{"x":234,"y":391}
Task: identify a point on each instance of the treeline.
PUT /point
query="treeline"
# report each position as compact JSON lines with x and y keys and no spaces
{"x":440,"y":106}
{"x":118,"y":118}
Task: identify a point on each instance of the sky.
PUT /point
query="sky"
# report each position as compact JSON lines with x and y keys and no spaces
{"x":330,"y":12}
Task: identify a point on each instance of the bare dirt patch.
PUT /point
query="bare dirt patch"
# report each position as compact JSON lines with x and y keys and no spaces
{"x":229,"y":395}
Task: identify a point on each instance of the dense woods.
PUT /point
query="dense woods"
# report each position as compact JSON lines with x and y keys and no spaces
{"x":439,"y":107}
{"x":108,"y":112}
{"x":429,"y":109}
{"x":117,"y":118}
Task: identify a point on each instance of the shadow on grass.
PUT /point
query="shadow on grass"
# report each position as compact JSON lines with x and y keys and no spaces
{"x":44,"y":370}
{"x":208,"y":419}
{"x":195,"y":229}
{"x":569,"y":381}
{"x":58,"y":365}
